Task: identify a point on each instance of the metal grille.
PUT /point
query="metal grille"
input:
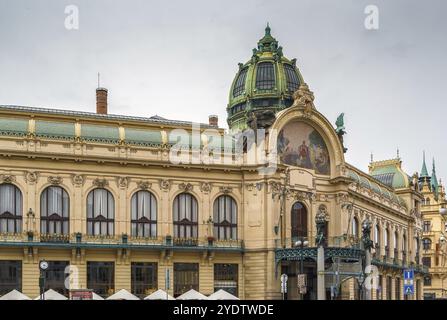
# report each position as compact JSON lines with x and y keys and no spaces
{"x":265,"y":76}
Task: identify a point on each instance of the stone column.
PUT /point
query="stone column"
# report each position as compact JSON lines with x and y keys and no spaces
{"x":321,"y":290}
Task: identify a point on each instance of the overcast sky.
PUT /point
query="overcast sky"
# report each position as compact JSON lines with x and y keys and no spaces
{"x":178,"y":58}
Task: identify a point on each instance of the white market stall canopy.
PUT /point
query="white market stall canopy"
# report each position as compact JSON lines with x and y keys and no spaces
{"x":14,"y":295}
{"x":192,"y":295}
{"x":222,"y":295}
{"x":50,"y":294}
{"x":159,"y":295}
{"x":123,"y":294}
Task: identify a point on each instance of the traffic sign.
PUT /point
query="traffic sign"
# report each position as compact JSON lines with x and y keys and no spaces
{"x":408,"y":281}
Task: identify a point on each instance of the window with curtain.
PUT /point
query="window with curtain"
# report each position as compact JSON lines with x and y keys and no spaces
{"x":143,"y":214}
{"x":226,"y":277}
{"x":426,"y":243}
{"x":100,"y":212}
{"x":55,"y":276}
{"x":265,"y":76}
{"x":10,"y":276}
{"x":186,"y":277}
{"x":10,"y":208}
{"x":54,"y":211}
{"x":355,"y":227}
{"x":185,"y":216}
{"x":101,"y":277}
{"x":225,"y":218}
{"x":143,"y":278}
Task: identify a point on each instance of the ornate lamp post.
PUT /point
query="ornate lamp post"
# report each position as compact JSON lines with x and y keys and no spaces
{"x":320,"y":221}
{"x":367,"y":244}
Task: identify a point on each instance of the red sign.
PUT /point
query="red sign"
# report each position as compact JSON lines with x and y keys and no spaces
{"x":81,"y":294}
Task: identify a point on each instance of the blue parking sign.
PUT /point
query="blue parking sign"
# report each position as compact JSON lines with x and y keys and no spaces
{"x":408,"y":281}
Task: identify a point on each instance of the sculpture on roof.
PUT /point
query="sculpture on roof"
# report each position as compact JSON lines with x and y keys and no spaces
{"x":304,"y":98}
{"x":340,"y":130}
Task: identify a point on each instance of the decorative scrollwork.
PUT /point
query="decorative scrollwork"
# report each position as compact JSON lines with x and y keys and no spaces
{"x":226,"y":189}
{"x":165,"y":185}
{"x":7,"y":178}
{"x":123,"y":182}
{"x":55,"y":180}
{"x":205,"y":187}
{"x":144,"y":185}
{"x":100,"y":183}
{"x":185,"y":187}
{"x":78,"y":180}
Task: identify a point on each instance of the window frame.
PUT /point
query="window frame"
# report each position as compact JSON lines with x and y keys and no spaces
{"x":141,"y":219}
{"x":94,"y":218}
{"x":262,"y":82}
{"x":225,"y":219}
{"x":189,"y":225}
{"x":54,"y":218}
{"x":15,"y":217}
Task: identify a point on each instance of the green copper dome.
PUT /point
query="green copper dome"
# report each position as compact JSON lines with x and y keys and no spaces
{"x":266,"y":82}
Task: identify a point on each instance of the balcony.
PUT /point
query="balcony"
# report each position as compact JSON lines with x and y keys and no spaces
{"x":78,"y":240}
{"x":55,"y":238}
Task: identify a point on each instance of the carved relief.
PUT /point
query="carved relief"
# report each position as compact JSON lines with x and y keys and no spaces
{"x":123,"y":182}
{"x":55,"y":180}
{"x":100,"y":182}
{"x":205,"y":187}
{"x":226,"y":189}
{"x":31,"y":177}
{"x":6,"y":178}
{"x":185,"y":187}
{"x":78,"y":180}
{"x":165,"y":185}
{"x":144,"y":185}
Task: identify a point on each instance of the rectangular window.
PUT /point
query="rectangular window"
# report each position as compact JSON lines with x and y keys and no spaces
{"x":101,"y":277}
{"x":143,"y":278}
{"x":10,"y":276}
{"x":226,"y":277}
{"x":427,"y":226}
{"x":186,"y":277}
{"x":55,"y":276}
{"x":426,"y":261}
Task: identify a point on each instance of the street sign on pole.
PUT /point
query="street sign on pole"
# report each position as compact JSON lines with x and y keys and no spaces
{"x":408,"y":281}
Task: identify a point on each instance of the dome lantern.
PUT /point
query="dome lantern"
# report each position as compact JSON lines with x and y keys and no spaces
{"x":264,"y":83}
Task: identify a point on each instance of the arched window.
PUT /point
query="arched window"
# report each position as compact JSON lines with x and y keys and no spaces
{"x":100,"y":212}
{"x":377,"y":236}
{"x":225,"y":218}
{"x":291,"y":77}
{"x":426,"y":244}
{"x":144,"y":214}
{"x":396,"y":240}
{"x":54,"y":211}
{"x":355,"y":227}
{"x":185,"y":216}
{"x":265,"y":76}
{"x":239,"y":86}
{"x":299,"y":221}
{"x":10,"y":208}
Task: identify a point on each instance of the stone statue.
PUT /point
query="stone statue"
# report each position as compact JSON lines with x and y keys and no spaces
{"x":366,"y":235}
{"x":340,"y":130}
{"x":304,"y":98}
{"x":320,"y":221}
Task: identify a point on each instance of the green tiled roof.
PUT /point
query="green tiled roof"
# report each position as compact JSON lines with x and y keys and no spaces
{"x":97,"y":133}
{"x":143,"y":137}
{"x":13,"y":127}
{"x":55,"y":130}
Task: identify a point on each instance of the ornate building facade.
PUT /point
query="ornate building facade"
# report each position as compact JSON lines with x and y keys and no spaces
{"x":147,"y":203}
{"x":434,"y":212}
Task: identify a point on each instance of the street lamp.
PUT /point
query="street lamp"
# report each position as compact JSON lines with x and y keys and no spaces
{"x":301,"y":243}
{"x":43,"y":266}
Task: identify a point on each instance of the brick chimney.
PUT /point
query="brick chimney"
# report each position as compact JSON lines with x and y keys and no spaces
{"x":101,"y":100}
{"x":213,"y":120}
